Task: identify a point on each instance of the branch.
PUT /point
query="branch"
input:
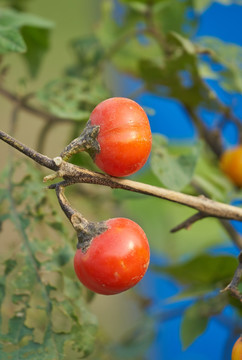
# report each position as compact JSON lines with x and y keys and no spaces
{"x":32,"y":109}
{"x":233,"y":285}
{"x":228,"y":227}
{"x":211,"y":137}
{"x":75,"y":174}
{"x":34,"y":155}
{"x":234,"y":235}
{"x":187,"y":223}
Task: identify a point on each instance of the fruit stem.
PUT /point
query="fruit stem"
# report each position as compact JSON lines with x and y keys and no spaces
{"x":87,"y":141}
{"x":86,"y":230}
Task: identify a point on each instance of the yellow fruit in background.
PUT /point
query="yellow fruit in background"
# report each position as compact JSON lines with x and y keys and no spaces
{"x":237,"y":350}
{"x":231,"y":164}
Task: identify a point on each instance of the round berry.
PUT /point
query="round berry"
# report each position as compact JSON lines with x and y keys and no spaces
{"x":115,"y":260}
{"x":124,"y":136}
{"x":231,"y":164}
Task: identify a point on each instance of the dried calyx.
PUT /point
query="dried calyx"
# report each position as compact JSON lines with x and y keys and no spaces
{"x":86,"y":230}
{"x":87,"y":141}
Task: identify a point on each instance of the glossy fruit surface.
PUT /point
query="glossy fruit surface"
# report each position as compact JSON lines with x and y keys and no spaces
{"x":237,"y":350}
{"x":124,"y":137}
{"x":116,"y":260}
{"x":231,"y":164}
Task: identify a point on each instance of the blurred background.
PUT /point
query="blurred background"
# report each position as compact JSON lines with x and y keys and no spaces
{"x":155,"y":306}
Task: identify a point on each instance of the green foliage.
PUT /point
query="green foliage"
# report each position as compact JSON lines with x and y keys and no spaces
{"x":219,"y":271}
{"x":202,"y":5}
{"x":69,"y":98}
{"x":11,"y":41}
{"x":201,"y":276}
{"x":24,"y":33}
{"x":197,"y":316}
{"x":43,"y":308}
{"x":88,"y":54}
{"x":229,"y":56}
{"x":43,"y":312}
{"x":175,"y":171}
{"x":162,"y":216}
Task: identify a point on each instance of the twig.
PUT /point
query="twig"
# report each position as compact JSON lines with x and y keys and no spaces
{"x":76,"y":174}
{"x":34,"y":155}
{"x":212,"y":138}
{"x":187,"y":223}
{"x":234,"y":235}
{"x":233,"y":285}
{"x":32,"y":109}
{"x":228,"y":227}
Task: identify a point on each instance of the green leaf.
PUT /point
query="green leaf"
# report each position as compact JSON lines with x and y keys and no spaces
{"x":126,"y":44}
{"x":67,"y":97}
{"x":229,"y":56}
{"x":37,"y":42}
{"x":34,"y":36}
{"x":178,"y":78}
{"x":36,"y":273}
{"x":203,"y":269}
{"x":201,"y":5}
{"x":174,"y":171}
{"x":16,"y":19}
{"x":138,"y":6}
{"x":61,"y":321}
{"x":210,"y":178}
{"x":187,"y":45}
{"x":89,"y":54}
{"x":197,"y":316}
{"x":37,"y":319}
{"x":206,"y":72}
{"x":193,"y":325}
{"x":11,"y":40}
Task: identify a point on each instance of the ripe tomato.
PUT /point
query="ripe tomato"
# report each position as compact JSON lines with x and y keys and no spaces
{"x":237,"y":350}
{"x":231,"y":164}
{"x":116,"y":260}
{"x":124,"y":137}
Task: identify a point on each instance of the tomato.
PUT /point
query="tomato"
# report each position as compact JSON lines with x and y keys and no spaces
{"x":231,"y":164}
{"x":124,"y":137}
{"x":115,"y":260}
{"x":237,"y":350}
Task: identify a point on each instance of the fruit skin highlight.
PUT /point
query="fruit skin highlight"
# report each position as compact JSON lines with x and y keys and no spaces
{"x":231,"y":164}
{"x":115,"y":260}
{"x":237,"y":350}
{"x":124,"y":137}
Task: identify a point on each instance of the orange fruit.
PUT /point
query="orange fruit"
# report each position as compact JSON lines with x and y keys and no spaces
{"x":231,"y":164}
{"x":237,"y":350}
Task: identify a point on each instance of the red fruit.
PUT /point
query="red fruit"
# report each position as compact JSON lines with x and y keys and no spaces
{"x":237,"y":350}
{"x":231,"y":164}
{"x":124,"y":137}
{"x":114,"y":261}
